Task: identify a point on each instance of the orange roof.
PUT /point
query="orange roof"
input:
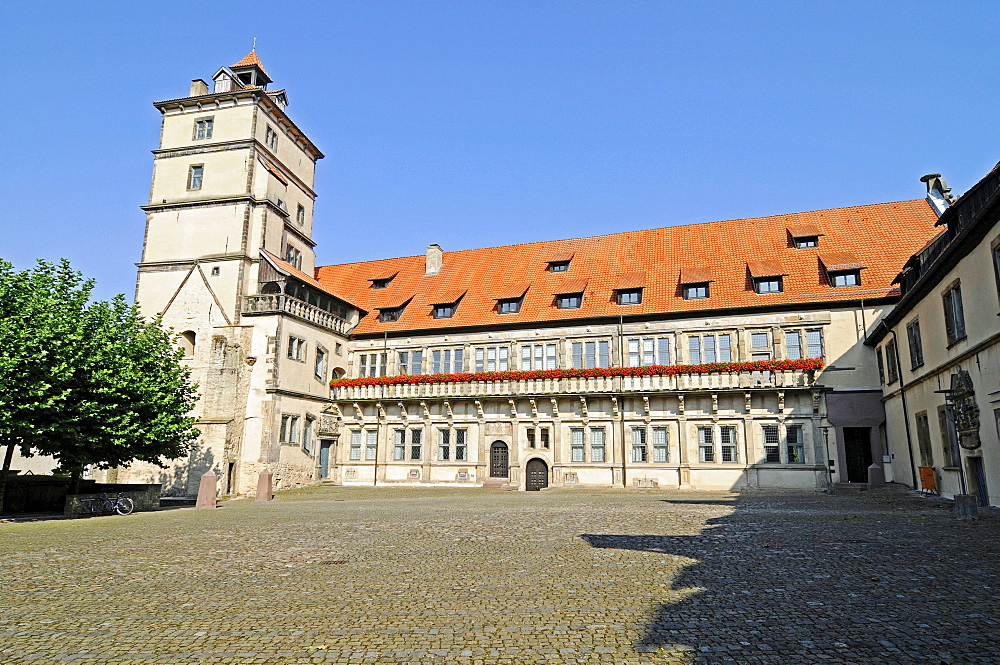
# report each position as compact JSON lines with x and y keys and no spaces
{"x":834,"y":261}
{"x":289,"y":269}
{"x":695,"y":275}
{"x":881,"y":236}
{"x":765,"y":268}
{"x":251,"y":60}
{"x":804,"y":231}
{"x":632,"y":280}
{"x":275,"y":172}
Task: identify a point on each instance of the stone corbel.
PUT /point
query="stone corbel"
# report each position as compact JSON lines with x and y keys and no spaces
{"x":513,"y":408}
{"x":781,"y":401}
{"x":427,"y":412}
{"x":817,"y":398}
{"x":680,"y":403}
{"x":747,"y":405}
{"x":534,"y":408}
{"x":359,"y":415}
{"x":583,"y":406}
{"x":614,"y":406}
{"x":402,"y":411}
{"x":447,"y":411}
{"x":715,"y":402}
{"x":555,"y":407}
{"x":479,"y":409}
{"x":380,"y":410}
{"x":645,"y":408}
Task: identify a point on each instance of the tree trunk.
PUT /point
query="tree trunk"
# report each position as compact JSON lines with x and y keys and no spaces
{"x":75,"y":477}
{"x":7,"y":458}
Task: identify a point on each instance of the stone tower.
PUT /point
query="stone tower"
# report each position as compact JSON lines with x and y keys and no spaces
{"x":228,"y":260}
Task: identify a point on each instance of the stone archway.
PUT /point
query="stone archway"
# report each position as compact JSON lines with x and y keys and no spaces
{"x":499,"y":460}
{"x":537,"y":472}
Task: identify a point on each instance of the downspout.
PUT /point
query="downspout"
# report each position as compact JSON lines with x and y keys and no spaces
{"x":906,"y":411}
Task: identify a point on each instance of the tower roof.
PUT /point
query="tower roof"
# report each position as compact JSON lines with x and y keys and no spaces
{"x":250,"y":60}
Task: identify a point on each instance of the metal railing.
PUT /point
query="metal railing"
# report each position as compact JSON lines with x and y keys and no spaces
{"x":279,"y":303}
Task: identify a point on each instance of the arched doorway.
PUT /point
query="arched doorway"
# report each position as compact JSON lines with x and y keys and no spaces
{"x":499,"y":460}
{"x":538,"y":475}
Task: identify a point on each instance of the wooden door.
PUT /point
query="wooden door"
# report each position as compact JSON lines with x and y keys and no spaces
{"x":538,"y":475}
{"x":499,"y":460}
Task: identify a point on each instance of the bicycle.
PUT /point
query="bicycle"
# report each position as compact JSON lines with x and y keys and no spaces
{"x":122,"y":505}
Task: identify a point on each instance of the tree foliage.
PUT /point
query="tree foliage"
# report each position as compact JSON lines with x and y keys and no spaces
{"x":89,"y":383}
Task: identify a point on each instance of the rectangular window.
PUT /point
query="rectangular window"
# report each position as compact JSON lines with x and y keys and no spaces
{"x":558,"y":266}
{"x":569,"y":301}
{"x":320,"y":366}
{"x":416,"y":450}
{"x":760,"y":346}
{"x":639,"y":444}
{"x":597,"y":444}
{"x":793,"y":344}
{"x":307,"y":435}
{"x":531,"y":437}
{"x":772,"y":449}
{"x":195,"y":175}
{"x":806,"y":241}
{"x":949,"y":438}
{"x":881,"y":366}
{"x":511,"y":306}
{"x":271,"y":138}
{"x":996,"y":263}
{"x":576,"y":444}
{"x":727,"y":443}
{"x":588,"y":355}
{"x":846,"y":278}
{"x":706,"y":444}
{"x":538,"y":356}
{"x":725,"y":349}
{"x":293,"y":256}
{"x":543,"y":436}
{"x":696,"y":291}
{"x":814,"y":340}
{"x":444,"y":311}
{"x":444,"y":444}
{"x":390,"y":314}
{"x":924,"y":440}
{"x":794,"y":444}
{"x":648,"y":351}
{"x":954,"y":314}
{"x":300,"y":215}
{"x":461,"y":448}
{"x":916,"y":344}
{"x":491,"y":358}
{"x":399,"y":445}
{"x":289,"y":429}
{"x":371,"y":364}
{"x":371,"y":444}
{"x":694,"y":350}
{"x":767,"y":284}
{"x":710,"y":349}
{"x":296,"y":348}
{"x":629,"y":296}
{"x":203,"y":128}
{"x":355,"y":445}
{"x":446,"y":361}
{"x":891,"y":362}
{"x":661,"y":452}
{"x":411,"y":362}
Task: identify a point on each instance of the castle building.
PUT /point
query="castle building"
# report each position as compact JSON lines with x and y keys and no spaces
{"x":728,"y":354}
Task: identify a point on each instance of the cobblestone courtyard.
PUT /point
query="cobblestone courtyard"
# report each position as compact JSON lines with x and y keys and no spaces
{"x":342,"y":575}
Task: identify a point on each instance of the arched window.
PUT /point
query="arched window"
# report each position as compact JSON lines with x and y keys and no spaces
{"x":187,"y":343}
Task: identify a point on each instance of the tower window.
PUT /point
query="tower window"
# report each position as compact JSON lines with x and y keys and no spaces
{"x":300,"y":215}
{"x":294,"y":257}
{"x":271,"y":138}
{"x":195,"y":175}
{"x":203,"y":128}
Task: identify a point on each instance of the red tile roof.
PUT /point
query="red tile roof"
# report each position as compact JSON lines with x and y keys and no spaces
{"x":695,"y":275}
{"x":765,"y":269}
{"x":632,"y":280}
{"x":834,"y":261}
{"x":251,"y":60}
{"x":564,"y":286}
{"x":881,"y":236}
{"x":805,"y":231}
{"x":288,"y":269}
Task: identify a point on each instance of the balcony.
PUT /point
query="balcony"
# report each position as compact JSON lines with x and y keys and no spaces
{"x":279,"y":303}
{"x":708,"y":382}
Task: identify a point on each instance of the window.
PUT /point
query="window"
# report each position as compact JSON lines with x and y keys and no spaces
{"x":996,"y":263}
{"x":338,"y":348}
{"x":491,"y":358}
{"x":399,"y":445}
{"x":639,"y":444}
{"x":294,"y":257}
{"x":307,"y":435}
{"x":588,"y":355}
{"x":576,"y":444}
{"x":444,"y":311}
{"x":569,"y":301}
{"x":629,"y":296}
{"x":794,"y":444}
{"x":446,"y":361}
{"x":881,"y":366}
{"x":371,"y":444}
{"x":543,"y":436}
{"x":760,"y":346}
{"x":845,"y":278}
{"x":696,"y":291}
{"x":558,"y":266}
{"x":195,"y":175}
{"x":660,"y":451}
{"x":539,"y":436}
{"x":411,"y":362}
{"x":203,"y":128}
{"x":289,"y":429}
{"x":949,"y":438}
{"x":648,"y":351}
{"x":954,"y":316}
{"x":381,"y":283}
{"x":371,"y":364}
{"x":296,"y":348}
{"x":806,"y":241}
{"x":710,"y":349}
{"x":814,"y":340}
{"x":793,"y":345}
{"x":416,"y":447}
{"x":444,"y":444}
{"x":187,"y":340}
{"x":300,"y":215}
{"x":390,"y":314}
{"x":320,"y":367}
{"x":727,"y":442}
{"x":215,"y":271}
{"x":271,"y":138}
{"x":461,"y":447}
{"x":597,"y":438}
{"x":355,"y":453}
{"x":892,"y":362}
{"x":772,"y":450}
{"x":530,"y":434}
{"x":706,"y":444}
{"x":764,"y":285}
{"x":924,"y":439}
{"x":538,"y":356}
{"x":509,"y":306}
{"x":915,"y":343}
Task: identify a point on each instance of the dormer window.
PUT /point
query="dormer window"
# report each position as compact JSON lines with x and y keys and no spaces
{"x":390,"y":314}
{"x":570,"y":295}
{"x":444,"y":311}
{"x":694,"y":283}
{"x":382,"y":281}
{"x":446,"y":303}
{"x":560,"y":262}
{"x":510,"y":297}
{"x":628,"y":288}
{"x":696,"y":291}
{"x":803,"y":237}
{"x":767,"y":276}
{"x":629,"y":296}
{"x":842,"y":269}
{"x":511,"y":306}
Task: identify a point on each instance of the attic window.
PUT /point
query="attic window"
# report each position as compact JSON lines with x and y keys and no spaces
{"x":697,"y":291}
{"x":446,"y":303}
{"x":845,"y":278}
{"x":509,"y":306}
{"x":390,"y":314}
{"x":842,"y":269}
{"x":382,"y":281}
{"x":806,"y":241}
{"x":629,"y":296}
{"x":767,"y":276}
{"x":510,"y":297}
{"x":569,"y":300}
{"x":694,"y":282}
{"x":804,"y":237}
{"x":558,"y":266}
{"x":444,"y":311}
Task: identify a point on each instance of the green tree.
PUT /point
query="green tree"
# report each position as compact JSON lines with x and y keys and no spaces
{"x":89,"y":383}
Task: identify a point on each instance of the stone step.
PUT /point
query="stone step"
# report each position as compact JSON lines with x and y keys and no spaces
{"x":851,"y":487}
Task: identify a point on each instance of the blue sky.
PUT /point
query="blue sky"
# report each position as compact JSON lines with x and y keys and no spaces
{"x":472,"y":124}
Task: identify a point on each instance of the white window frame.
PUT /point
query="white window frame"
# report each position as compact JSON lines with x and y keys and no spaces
{"x":661,"y":445}
{"x":447,"y":361}
{"x":640,"y":452}
{"x":646,"y":351}
{"x":296,"y":348}
{"x":539,"y":356}
{"x":598,"y":444}
{"x":491,"y":358}
{"x":203,"y":128}
{"x":577,"y":444}
{"x":591,"y":354}
{"x":706,"y":445}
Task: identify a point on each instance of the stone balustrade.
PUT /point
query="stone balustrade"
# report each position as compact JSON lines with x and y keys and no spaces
{"x":279,"y":303}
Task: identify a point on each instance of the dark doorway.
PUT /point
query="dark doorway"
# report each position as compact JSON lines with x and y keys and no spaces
{"x":858,"y":450}
{"x":230,"y":477}
{"x":978,"y":476}
{"x":538,"y":475}
{"x":325,"y":447}
{"x":499,"y":461}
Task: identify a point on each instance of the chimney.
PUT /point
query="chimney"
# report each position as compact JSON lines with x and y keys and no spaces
{"x":198,"y":88}
{"x":938,"y":192}
{"x":434,"y":259}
